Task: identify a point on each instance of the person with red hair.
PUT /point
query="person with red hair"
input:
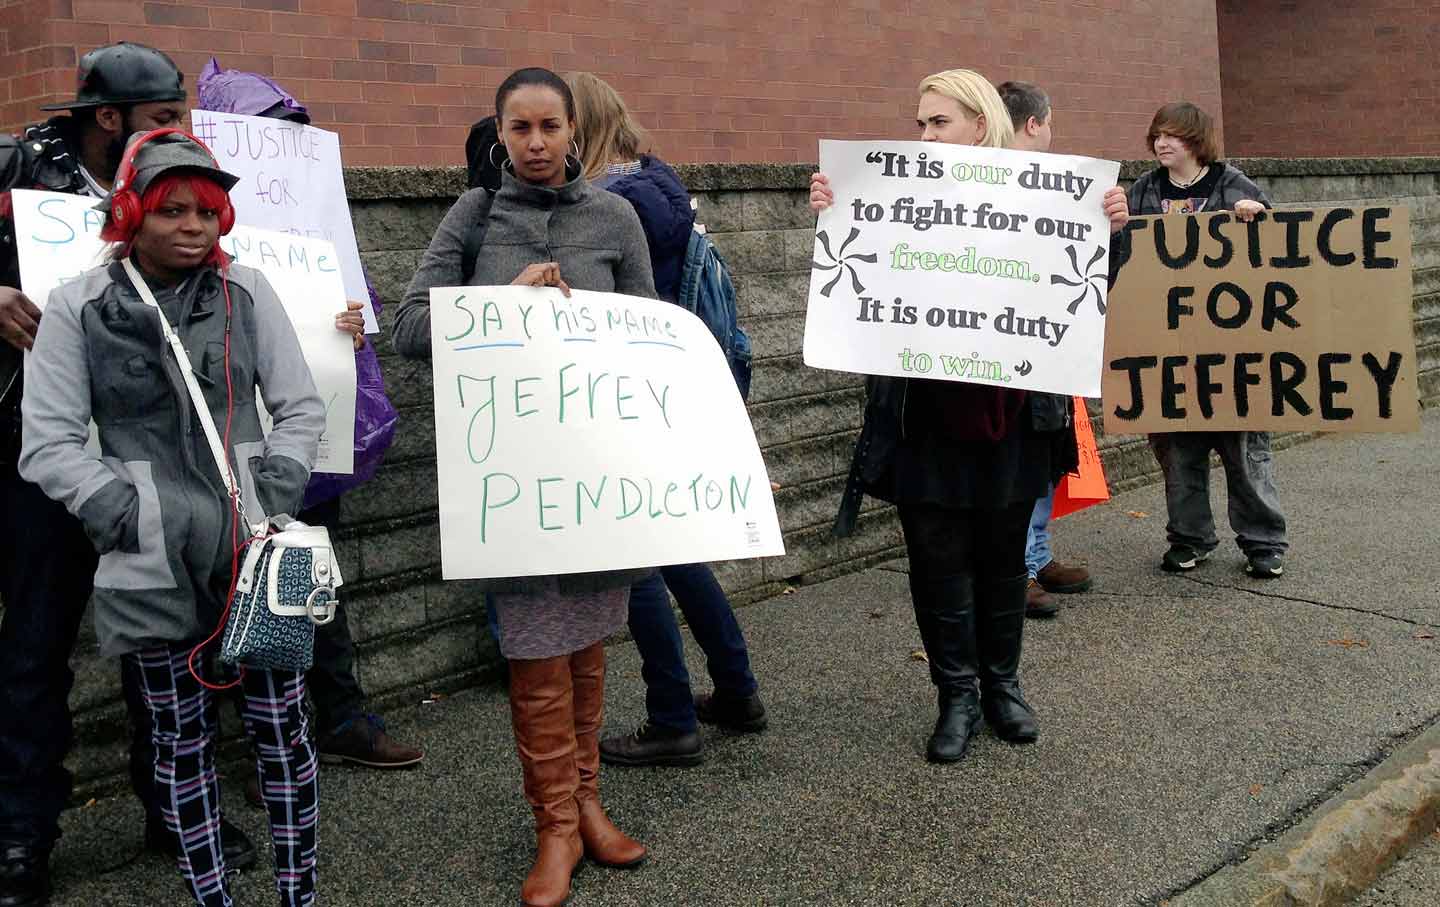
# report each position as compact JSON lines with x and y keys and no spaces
{"x":153,"y":502}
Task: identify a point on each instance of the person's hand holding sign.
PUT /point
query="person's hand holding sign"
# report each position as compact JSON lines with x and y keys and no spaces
{"x":543,"y":274}
{"x":821,"y":196}
{"x":1246,"y":209}
{"x":19,"y":319}
{"x":1117,"y":208}
{"x":352,"y":322}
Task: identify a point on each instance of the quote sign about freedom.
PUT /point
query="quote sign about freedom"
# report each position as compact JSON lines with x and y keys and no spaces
{"x":592,"y":432}
{"x":961,"y":263}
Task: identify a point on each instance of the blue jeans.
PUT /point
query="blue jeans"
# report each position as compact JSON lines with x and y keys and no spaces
{"x":1037,"y":545}
{"x":668,"y":699}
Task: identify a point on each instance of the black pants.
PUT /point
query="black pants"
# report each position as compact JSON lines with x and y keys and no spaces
{"x":985,"y":544}
{"x":47,"y":566}
{"x":335,"y":692}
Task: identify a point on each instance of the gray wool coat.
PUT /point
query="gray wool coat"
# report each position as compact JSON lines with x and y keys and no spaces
{"x":595,"y":237}
{"x":153,"y":502}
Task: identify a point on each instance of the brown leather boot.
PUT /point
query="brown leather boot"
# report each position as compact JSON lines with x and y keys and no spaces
{"x":604,"y":843}
{"x":542,"y":712}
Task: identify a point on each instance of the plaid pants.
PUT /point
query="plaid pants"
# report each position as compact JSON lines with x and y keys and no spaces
{"x":184,"y":738}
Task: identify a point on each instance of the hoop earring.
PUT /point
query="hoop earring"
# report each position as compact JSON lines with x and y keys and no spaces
{"x":501,"y":165}
{"x":576,"y":145}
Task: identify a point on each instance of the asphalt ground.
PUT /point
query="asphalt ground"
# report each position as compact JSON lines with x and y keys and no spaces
{"x":1185,"y":720}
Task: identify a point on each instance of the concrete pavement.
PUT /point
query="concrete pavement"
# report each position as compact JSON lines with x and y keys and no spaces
{"x":1186,"y":721}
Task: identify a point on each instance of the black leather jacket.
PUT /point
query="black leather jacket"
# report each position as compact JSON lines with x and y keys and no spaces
{"x":884,"y":429}
{"x":43,"y":156}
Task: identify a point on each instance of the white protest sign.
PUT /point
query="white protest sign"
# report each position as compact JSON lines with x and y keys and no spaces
{"x":291,"y":181}
{"x":963,"y":264}
{"x":58,"y":238}
{"x":597,"y":432}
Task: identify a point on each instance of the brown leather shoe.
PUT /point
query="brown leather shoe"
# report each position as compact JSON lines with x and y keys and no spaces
{"x":1064,"y":579}
{"x":364,"y":742}
{"x":542,"y":714}
{"x":1038,"y":602}
{"x":604,"y":843}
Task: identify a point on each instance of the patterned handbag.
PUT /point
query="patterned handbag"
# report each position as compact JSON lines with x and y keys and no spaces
{"x":285,"y":589}
{"x":285,"y":583}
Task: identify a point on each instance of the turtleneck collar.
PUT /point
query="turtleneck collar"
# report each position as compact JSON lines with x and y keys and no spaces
{"x":573,"y":190}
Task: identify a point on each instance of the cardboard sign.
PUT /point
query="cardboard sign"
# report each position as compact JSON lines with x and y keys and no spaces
{"x":1086,"y":486}
{"x":291,"y":181}
{"x":1300,"y":320}
{"x":962,"y":264}
{"x":594,"y":432}
{"x":58,"y":238}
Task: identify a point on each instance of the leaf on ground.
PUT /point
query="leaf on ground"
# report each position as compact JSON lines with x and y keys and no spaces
{"x":432,"y":698}
{"x":1137,"y":514}
{"x":1349,"y":643}
{"x":1422,"y":633}
{"x":789,"y":590}
{"x":1255,"y":790}
{"x":919,"y":655}
{"x":91,"y":802}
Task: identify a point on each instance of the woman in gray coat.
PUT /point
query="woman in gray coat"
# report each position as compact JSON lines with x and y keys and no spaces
{"x":546,"y":227}
{"x":153,"y":500}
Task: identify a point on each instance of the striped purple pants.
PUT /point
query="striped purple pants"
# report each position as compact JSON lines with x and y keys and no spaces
{"x":185,"y":777}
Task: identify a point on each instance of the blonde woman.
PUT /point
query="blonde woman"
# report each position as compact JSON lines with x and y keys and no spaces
{"x":612,"y":151}
{"x":964,"y":464}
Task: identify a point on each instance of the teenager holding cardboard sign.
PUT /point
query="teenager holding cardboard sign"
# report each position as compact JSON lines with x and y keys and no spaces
{"x":965,"y":463}
{"x":1190,"y":180}
{"x":550,"y":227}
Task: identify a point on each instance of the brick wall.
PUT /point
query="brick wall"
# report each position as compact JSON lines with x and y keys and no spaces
{"x":1357,"y":78}
{"x":717,"y":80}
{"x":416,"y":631}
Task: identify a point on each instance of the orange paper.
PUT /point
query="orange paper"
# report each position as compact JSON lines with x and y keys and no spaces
{"x":1086,"y":487}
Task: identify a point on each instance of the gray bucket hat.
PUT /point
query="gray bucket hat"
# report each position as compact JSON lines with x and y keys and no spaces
{"x":175,"y":151}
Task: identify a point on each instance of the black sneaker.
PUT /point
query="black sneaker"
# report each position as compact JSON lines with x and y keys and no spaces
{"x":235,"y":844}
{"x":653,"y":744}
{"x":24,"y":875}
{"x":1264,"y":566}
{"x":1181,"y":558}
{"x":739,"y":715}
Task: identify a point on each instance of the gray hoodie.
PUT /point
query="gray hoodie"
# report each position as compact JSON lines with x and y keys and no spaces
{"x":153,"y":503}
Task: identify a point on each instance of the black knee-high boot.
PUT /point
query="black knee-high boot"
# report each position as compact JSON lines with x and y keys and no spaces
{"x":999,"y":626}
{"x":945,"y":614}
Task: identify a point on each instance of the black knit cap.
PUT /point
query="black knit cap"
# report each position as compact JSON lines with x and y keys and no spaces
{"x":124,"y":73}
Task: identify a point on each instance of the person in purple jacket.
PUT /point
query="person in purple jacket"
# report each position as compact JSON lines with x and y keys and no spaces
{"x":347,"y":732}
{"x":610,"y":143}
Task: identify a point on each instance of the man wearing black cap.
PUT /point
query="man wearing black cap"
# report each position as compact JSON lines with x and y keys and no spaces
{"x":46,"y":560}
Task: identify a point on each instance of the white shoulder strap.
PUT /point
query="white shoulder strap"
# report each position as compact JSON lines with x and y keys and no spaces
{"x":202,"y":409}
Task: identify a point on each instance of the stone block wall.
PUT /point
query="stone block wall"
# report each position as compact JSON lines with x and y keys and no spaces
{"x":418,"y":633}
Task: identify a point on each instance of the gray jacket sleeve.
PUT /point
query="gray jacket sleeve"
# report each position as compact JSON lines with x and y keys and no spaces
{"x":441,"y":266}
{"x":633,"y":275}
{"x":1239,"y":187}
{"x":56,"y":412}
{"x":290,"y":396}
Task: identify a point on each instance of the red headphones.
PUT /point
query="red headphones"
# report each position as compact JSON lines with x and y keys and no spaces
{"x":126,"y":209}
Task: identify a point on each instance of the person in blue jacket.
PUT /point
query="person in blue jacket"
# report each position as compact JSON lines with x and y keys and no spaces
{"x":610,"y":144}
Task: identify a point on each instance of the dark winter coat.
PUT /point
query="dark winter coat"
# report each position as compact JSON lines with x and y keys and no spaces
{"x":663,"y":206}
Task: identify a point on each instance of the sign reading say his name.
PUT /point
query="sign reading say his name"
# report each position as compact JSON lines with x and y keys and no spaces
{"x":58,"y":238}
{"x":1299,"y":320}
{"x":594,"y":432}
{"x":290,"y":180}
{"x":961,"y":263}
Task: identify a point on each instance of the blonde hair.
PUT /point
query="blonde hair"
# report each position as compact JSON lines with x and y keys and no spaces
{"x":604,"y":129}
{"x":975,"y":93}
